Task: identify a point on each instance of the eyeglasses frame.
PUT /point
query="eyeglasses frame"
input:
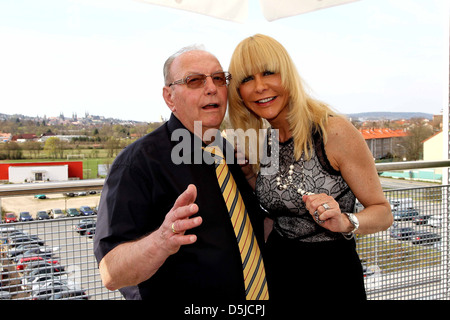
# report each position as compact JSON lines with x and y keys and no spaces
{"x":184,"y":80}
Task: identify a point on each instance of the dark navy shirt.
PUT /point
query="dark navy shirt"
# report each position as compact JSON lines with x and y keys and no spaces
{"x":140,"y":190}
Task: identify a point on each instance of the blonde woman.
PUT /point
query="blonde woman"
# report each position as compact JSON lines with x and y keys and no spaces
{"x":323,"y":166}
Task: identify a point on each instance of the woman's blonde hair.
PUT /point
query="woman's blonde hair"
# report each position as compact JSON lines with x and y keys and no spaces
{"x":306,"y":115}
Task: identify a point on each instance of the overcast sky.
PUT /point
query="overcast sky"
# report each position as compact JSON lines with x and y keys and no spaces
{"x":105,"y":57}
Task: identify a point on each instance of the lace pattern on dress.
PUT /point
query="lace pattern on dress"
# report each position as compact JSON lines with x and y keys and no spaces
{"x":291,"y":219}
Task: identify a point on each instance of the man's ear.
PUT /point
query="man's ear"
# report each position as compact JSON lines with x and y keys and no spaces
{"x":167,"y":95}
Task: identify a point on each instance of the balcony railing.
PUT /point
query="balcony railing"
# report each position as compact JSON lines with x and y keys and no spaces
{"x":408,"y":261}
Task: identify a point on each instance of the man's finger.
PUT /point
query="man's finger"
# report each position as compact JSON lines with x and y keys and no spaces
{"x":180,"y":226}
{"x":186,"y":198}
{"x":182,"y":240}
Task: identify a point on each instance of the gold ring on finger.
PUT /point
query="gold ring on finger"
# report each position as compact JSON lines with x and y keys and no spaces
{"x":173,"y":228}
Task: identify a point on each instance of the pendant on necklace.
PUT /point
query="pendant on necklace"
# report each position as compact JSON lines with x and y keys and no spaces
{"x":284,"y":183}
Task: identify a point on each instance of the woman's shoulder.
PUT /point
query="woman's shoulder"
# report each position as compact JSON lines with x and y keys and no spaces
{"x":340,"y":127}
{"x":343,"y":141}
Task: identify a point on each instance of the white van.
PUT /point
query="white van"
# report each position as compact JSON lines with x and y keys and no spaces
{"x":435,"y":221}
{"x":402,"y":203}
{"x":57,"y":213}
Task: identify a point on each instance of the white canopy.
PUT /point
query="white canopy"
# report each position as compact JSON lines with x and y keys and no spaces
{"x":237,"y":10}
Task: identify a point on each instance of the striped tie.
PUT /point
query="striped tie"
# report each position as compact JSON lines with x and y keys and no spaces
{"x":252,"y":263}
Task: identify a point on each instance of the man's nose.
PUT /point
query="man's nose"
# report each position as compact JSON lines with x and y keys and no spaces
{"x":210,"y":86}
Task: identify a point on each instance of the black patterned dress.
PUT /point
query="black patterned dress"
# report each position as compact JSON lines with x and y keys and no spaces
{"x":299,"y":252}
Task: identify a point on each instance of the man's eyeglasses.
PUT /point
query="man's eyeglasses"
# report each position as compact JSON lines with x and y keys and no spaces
{"x":195,"y":81}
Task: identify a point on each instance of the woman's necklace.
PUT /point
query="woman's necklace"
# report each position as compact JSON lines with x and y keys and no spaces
{"x":283,"y":181}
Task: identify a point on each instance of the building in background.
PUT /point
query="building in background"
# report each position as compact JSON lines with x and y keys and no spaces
{"x":41,"y":171}
{"x":384,"y":142}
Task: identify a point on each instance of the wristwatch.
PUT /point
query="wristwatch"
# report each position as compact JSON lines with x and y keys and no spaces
{"x":354,"y":221}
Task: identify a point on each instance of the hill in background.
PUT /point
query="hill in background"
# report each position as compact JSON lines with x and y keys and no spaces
{"x":379,"y":115}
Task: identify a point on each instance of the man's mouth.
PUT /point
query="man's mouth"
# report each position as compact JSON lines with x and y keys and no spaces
{"x":266,"y":100}
{"x":211,"y":106}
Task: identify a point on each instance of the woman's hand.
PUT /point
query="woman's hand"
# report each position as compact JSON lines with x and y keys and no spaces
{"x":327,"y":213}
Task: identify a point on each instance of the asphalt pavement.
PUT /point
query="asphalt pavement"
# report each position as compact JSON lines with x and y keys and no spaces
{"x":391,"y":183}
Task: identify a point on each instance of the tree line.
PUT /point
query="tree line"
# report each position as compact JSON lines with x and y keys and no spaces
{"x":107,"y":139}
{"x":100,"y":140}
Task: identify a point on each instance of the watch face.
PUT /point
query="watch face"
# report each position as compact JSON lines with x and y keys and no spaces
{"x":354,"y":220}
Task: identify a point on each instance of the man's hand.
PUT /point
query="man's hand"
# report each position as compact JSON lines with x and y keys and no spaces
{"x":178,"y":221}
{"x":133,"y":262}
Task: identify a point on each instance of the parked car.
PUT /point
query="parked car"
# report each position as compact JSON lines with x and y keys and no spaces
{"x":84,"y":225}
{"x":82,"y":193}
{"x":402,"y":203}
{"x":14,"y":241}
{"x":17,"y":234}
{"x":42,"y":264}
{"x":421,"y":219}
{"x":25,"y":216}
{"x":435,"y":221}
{"x":73,"y":212}
{"x":368,"y":270}
{"x":10,"y":217}
{"x":20,"y":249}
{"x":41,"y":276}
{"x":70,"y":194}
{"x":402,"y":233}
{"x":425,"y":237}
{"x":90,"y":232}
{"x":42,"y":215}
{"x":23,"y":262}
{"x":86,"y":211}
{"x":59,"y":291}
{"x":5,"y":295}
{"x":8,"y":230}
{"x":40,"y":196}
{"x":52,"y":269}
{"x":45,"y":253}
{"x":404,"y":214}
{"x":56,"y":213}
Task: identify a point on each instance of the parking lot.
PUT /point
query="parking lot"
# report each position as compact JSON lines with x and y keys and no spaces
{"x":69,"y":250}
{"x":66,"y":248}
{"x":411,"y":257}
{"x":51,"y":201}
{"x":397,"y":266}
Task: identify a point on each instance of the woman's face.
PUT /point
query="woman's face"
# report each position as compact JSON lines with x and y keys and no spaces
{"x":264,"y":94}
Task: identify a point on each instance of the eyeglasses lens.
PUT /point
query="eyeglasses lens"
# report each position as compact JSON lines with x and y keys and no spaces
{"x":199,"y":80}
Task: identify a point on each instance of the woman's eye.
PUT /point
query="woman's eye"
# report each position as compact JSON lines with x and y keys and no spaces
{"x":247,"y":79}
{"x":268,"y":73}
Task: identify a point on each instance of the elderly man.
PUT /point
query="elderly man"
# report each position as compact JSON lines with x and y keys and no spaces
{"x":165,"y":229}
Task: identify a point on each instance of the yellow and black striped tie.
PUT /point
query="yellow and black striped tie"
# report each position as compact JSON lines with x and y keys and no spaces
{"x":252,"y":262}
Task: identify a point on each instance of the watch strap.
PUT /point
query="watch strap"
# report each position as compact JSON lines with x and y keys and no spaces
{"x":354,"y":221}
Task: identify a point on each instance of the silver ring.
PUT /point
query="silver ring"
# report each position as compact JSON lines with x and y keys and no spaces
{"x":316,"y":217}
{"x":326,"y":206}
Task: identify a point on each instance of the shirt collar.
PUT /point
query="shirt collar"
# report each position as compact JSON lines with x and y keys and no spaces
{"x":174,"y":123}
